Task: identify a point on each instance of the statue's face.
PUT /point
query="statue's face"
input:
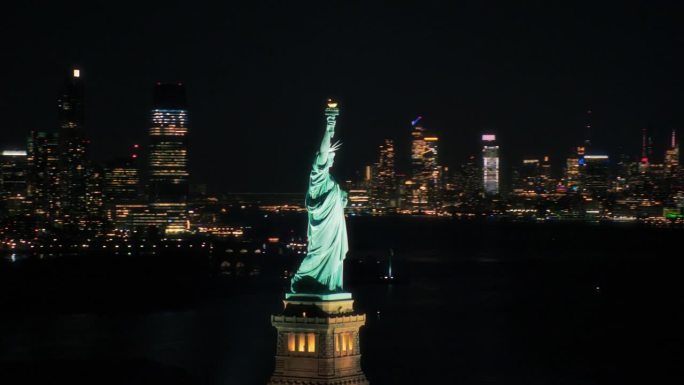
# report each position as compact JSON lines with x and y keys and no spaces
{"x":331,"y":159}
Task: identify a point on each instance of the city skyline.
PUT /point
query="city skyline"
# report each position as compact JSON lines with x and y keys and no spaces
{"x":54,"y":185}
{"x":558,"y":163}
{"x":615,"y":60}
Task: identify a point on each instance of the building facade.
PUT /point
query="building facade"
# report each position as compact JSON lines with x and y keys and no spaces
{"x":13,"y":183}
{"x":43,"y":188}
{"x":490,"y":165}
{"x":168,"y":155}
{"x":383,"y":183}
{"x":72,"y":157}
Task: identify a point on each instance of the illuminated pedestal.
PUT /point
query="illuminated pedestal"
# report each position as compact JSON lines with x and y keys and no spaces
{"x":318,"y":341}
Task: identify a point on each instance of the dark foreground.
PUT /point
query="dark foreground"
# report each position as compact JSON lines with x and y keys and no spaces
{"x":479,"y":304}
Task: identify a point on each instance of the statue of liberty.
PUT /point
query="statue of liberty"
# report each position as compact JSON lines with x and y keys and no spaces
{"x":321,"y":269}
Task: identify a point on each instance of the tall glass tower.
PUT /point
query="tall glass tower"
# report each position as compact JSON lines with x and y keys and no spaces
{"x":43,"y":175}
{"x":168,"y":155}
{"x":426,"y":172}
{"x":672,"y":154}
{"x":72,"y":159}
{"x":490,"y":165}
{"x":383,"y":186}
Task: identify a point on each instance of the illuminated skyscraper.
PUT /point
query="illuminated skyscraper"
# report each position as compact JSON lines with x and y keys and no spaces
{"x":383,"y":185}
{"x":672,"y":154}
{"x":418,"y":148}
{"x":646,"y":151}
{"x":490,"y":165}
{"x":533,"y":176}
{"x":426,"y":174}
{"x":43,"y":175}
{"x":13,"y":179}
{"x":433,"y":172}
{"x":547,"y":182}
{"x":527,"y":177}
{"x":573,"y":170}
{"x":471,"y":178}
{"x":72,"y":159}
{"x":596,"y":175}
{"x":95,"y":213}
{"x":121,"y":182}
{"x":168,"y":155}
{"x":416,"y":189}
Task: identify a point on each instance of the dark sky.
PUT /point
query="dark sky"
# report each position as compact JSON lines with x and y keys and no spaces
{"x":258,"y":74}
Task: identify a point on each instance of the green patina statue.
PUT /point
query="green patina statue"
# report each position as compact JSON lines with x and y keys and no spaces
{"x":321,"y":270}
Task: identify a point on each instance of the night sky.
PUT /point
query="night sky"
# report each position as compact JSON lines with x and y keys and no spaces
{"x":257,"y":76}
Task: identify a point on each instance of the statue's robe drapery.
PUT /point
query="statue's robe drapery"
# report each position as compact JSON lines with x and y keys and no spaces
{"x":321,"y":270}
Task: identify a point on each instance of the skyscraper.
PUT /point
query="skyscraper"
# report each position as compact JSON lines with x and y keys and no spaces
{"x":383,"y":185}
{"x":490,"y":165}
{"x":95,"y":213}
{"x":43,"y":175}
{"x":72,"y":143}
{"x":471,"y":178}
{"x":418,"y":148}
{"x":121,"y":183}
{"x":646,"y":150}
{"x":533,"y":176}
{"x":528,"y":177}
{"x":168,"y":155}
{"x":433,"y":172}
{"x":416,"y":188}
{"x":13,"y":178}
{"x":547,"y":182}
{"x":426,"y":173}
{"x":596,"y":175}
{"x":573,"y":170}
{"x":672,"y":154}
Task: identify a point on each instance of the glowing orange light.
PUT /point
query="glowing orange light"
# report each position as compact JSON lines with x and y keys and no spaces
{"x":302,"y":342}
{"x":311,"y":342}
{"x":291,"y":342}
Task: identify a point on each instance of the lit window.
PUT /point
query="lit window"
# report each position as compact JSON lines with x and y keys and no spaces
{"x":291,"y":342}
{"x":337,"y":342}
{"x":302,"y":342}
{"x":344,"y":342}
{"x":350,"y":342}
{"x":310,"y":342}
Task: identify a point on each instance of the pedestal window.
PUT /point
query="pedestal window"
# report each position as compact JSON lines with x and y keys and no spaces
{"x":344,"y":343}
{"x":301,"y":342}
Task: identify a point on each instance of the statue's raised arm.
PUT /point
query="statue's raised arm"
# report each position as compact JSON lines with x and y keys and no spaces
{"x":327,"y":149}
{"x":321,"y":269}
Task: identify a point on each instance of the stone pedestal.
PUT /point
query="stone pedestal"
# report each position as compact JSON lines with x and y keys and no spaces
{"x":318,"y":341}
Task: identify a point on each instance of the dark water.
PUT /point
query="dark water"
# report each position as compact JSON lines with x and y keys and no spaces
{"x":484,"y":303}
